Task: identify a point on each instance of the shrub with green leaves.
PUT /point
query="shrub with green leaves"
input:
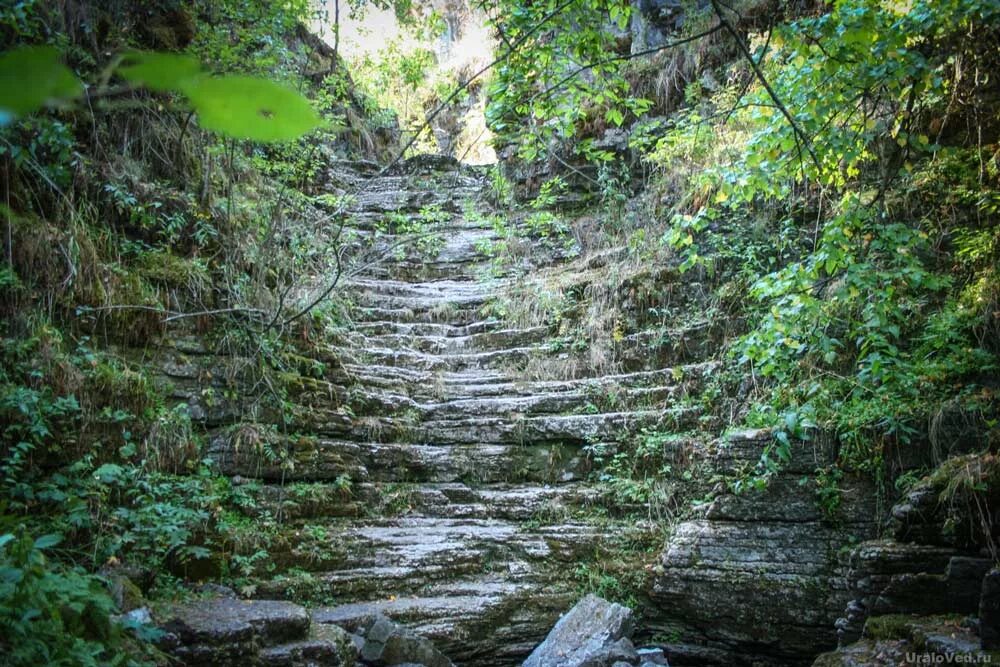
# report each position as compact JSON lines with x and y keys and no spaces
{"x":56,"y":615}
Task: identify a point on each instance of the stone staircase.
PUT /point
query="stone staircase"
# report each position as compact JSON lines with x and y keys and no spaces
{"x":447,"y":488}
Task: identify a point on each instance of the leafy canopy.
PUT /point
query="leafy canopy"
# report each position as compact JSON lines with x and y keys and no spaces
{"x":242,"y":107}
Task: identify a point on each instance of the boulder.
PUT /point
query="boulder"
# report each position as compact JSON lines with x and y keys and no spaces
{"x":387,"y":643}
{"x":653,"y":21}
{"x":594,"y":633}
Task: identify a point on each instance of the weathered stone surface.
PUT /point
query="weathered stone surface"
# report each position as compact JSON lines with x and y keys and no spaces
{"x":387,"y":643}
{"x":887,"y":577}
{"x":989,"y":610}
{"x":866,"y":653}
{"x":895,"y":641}
{"x":305,"y":653}
{"x":220,"y":620}
{"x":448,"y":474}
{"x":493,"y":620}
{"x":223,"y":631}
{"x":653,"y":21}
{"x":758,"y":577}
{"x":652,"y":656}
{"x":939,"y":509}
{"x":594,"y":633}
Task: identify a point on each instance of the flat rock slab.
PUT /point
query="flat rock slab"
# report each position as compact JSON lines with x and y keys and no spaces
{"x":306,"y":653}
{"x":223,"y":621}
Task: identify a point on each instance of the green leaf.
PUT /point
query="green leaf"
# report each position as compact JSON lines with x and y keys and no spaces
{"x":49,"y":540}
{"x":109,"y":473}
{"x":30,"y":78}
{"x":11,"y":575}
{"x":161,"y":72}
{"x":246,"y":107}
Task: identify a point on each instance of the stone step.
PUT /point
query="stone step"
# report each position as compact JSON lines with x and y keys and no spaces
{"x":448,"y":290}
{"x":460,"y":302}
{"x":442,"y":313}
{"x":402,"y":556}
{"x":488,"y":621}
{"x":374,"y":222}
{"x":454,"y":362}
{"x":402,"y":195}
{"x":472,"y":267}
{"x":581,"y":399}
{"x":554,"y":403}
{"x":582,"y":429}
{"x":431,"y":329}
{"x":448,"y":500}
{"x":445,"y":344}
{"x":227,"y":631}
{"x":478,"y":383}
{"x":321,"y":459}
{"x":587,"y":428}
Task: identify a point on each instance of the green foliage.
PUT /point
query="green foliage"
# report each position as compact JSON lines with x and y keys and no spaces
{"x":32,"y":77}
{"x":826,"y":486}
{"x":161,"y":72}
{"x":402,"y":80}
{"x":238,"y":106}
{"x":263,"y":28}
{"x":44,"y":144}
{"x":53,"y":615}
{"x":251,"y":108}
{"x":533,"y":102}
{"x":857,"y":319}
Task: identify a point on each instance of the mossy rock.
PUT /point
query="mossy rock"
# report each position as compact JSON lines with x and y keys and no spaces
{"x":890,"y":626}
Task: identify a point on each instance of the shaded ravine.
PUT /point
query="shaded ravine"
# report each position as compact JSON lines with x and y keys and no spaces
{"x":433,"y":469}
{"x":471,"y":502}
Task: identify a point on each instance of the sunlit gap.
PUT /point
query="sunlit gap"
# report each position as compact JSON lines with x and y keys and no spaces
{"x":409,"y":67}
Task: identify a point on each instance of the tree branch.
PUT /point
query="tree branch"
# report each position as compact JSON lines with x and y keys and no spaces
{"x":800,"y":136}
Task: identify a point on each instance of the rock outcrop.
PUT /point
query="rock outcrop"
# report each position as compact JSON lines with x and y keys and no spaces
{"x":443,"y":482}
{"x":220,"y":632}
{"x":757,"y":577}
{"x":935,"y":558}
{"x":899,"y":640}
{"x":919,"y":590}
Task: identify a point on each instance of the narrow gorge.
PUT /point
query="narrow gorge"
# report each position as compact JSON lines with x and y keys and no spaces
{"x":697,"y":365}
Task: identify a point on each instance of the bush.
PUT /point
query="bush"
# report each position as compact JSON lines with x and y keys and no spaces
{"x":53,"y":615}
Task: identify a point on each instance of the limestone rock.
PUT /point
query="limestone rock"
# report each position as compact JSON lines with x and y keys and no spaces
{"x":757,"y":577}
{"x":653,"y":21}
{"x":223,"y":631}
{"x":594,"y":633}
{"x":387,"y":643}
{"x":306,"y":653}
{"x":890,"y":639}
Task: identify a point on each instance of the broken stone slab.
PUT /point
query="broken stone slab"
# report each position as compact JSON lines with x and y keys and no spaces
{"x":652,"y":656}
{"x":594,"y":633}
{"x":222,"y":631}
{"x":219,"y":620}
{"x":388,"y":643}
{"x":308,"y":653}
